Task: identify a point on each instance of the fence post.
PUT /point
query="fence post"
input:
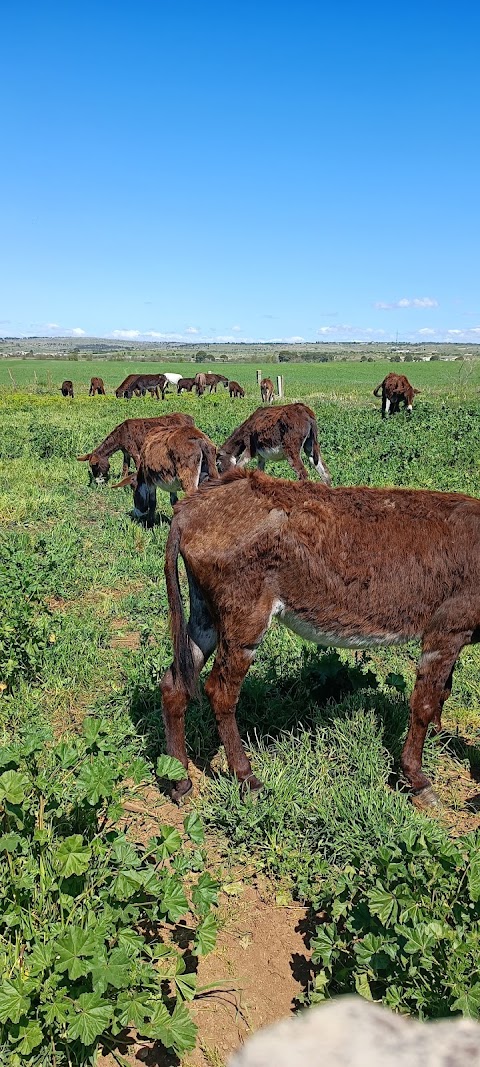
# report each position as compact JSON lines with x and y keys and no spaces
{"x":259,"y":377}
{"x":280,"y":385}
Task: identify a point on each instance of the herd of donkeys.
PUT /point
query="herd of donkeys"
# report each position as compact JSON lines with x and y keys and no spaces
{"x":157,"y":385}
{"x":172,"y":454}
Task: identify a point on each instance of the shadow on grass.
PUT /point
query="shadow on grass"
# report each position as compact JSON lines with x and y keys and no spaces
{"x":317,"y":689}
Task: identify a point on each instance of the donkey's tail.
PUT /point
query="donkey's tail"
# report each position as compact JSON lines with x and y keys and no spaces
{"x":183,"y":666}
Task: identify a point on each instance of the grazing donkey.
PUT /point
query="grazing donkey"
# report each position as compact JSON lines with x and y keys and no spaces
{"x":152,"y":383}
{"x":128,"y":438}
{"x":66,"y":388}
{"x":185,"y":383}
{"x":200,"y":383}
{"x":267,"y":390}
{"x":348,"y":567}
{"x":172,"y":458}
{"x":214,"y":379}
{"x":96,"y":386}
{"x":276,"y":433}
{"x":120,"y":391}
{"x":235,"y":389}
{"x":395,"y":389}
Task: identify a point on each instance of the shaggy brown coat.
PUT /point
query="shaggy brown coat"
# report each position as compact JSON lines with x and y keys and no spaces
{"x":128,"y":438}
{"x":267,"y":390}
{"x":213,"y":380}
{"x":178,"y":457}
{"x":185,"y":383}
{"x":200,"y":383}
{"x":395,"y":389}
{"x":66,"y":388}
{"x":351,"y":567}
{"x":235,"y":389}
{"x":274,"y":434}
{"x":120,"y":391}
{"x":153,"y":383}
{"x":96,"y":386}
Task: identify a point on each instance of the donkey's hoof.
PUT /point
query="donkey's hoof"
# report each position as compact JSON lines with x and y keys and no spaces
{"x":426,"y":798}
{"x":181,"y":790}
{"x":250,"y":785}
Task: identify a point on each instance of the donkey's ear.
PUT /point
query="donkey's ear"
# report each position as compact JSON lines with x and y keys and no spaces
{"x":87,"y":456}
{"x":417,"y":390}
{"x":130,"y":479}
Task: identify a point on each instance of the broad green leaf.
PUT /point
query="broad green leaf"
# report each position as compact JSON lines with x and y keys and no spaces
{"x":362,"y":986}
{"x":92,"y":728}
{"x":13,"y":786}
{"x":324,"y":944}
{"x":170,"y":768}
{"x":72,"y":951}
{"x":40,"y":959}
{"x":133,"y":1009}
{"x":170,"y":843}
{"x":131,"y":942}
{"x":205,"y":893}
{"x":89,"y":1017}
{"x":174,"y":902}
{"x":29,"y":1037}
{"x":9,"y":842}
{"x":72,"y":856}
{"x":126,"y":884}
{"x":97,"y":779}
{"x":419,"y":938}
{"x":124,"y":853}
{"x":186,"y":985}
{"x":194,"y":828}
{"x":158,"y":1026}
{"x":56,"y":1013}
{"x":182,"y":1029}
{"x":139,"y":770}
{"x":13,"y":1002}
{"x":206,"y":935}
{"x":113,"y":970}
{"x":469,"y":1002}
{"x":383,"y":903}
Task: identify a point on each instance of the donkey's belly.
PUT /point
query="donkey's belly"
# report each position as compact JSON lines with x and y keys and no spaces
{"x":271,"y":453}
{"x":334,"y":638}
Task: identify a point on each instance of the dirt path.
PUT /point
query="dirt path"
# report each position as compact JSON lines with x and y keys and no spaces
{"x":258,"y":966}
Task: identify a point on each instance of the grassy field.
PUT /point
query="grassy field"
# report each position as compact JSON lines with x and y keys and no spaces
{"x":85,"y":634}
{"x":353,"y":379}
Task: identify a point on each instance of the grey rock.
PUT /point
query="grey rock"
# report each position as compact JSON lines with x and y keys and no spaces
{"x":351,"y":1032}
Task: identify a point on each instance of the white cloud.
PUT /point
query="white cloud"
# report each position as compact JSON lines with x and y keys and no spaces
{"x":156,"y":336}
{"x":192,"y":329}
{"x":125,"y":335}
{"x":78,"y":332}
{"x":427,"y":332}
{"x":236,"y":329}
{"x":344,"y":331}
{"x":416,"y":302}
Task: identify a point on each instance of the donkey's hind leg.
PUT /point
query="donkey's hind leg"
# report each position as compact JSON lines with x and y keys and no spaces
{"x":449,"y":632}
{"x":203,"y":639}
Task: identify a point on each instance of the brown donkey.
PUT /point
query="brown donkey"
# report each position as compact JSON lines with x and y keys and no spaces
{"x":324,"y":562}
{"x":274,"y":434}
{"x":171,"y":458}
{"x":267,"y":390}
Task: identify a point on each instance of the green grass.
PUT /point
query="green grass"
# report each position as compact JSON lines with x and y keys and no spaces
{"x":326,"y":744}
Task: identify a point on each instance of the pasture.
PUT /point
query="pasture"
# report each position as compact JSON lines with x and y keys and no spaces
{"x":330,"y":880}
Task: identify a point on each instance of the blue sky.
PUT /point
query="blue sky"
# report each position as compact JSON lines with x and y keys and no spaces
{"x":240,"y":171}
